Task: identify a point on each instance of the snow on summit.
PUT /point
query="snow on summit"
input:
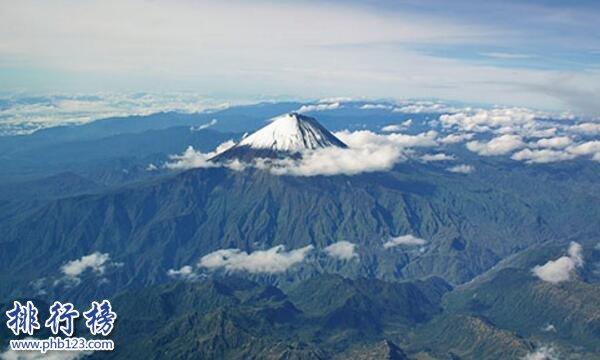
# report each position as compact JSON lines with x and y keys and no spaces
{"x":292,"y":133}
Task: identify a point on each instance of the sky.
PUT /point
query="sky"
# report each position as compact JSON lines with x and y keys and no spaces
{"x":543,"y":54}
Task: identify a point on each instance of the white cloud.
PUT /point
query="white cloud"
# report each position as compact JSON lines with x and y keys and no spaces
{"x":191,"y":159}
{"x":558,"y":142}
{"x":9,"y":354}
{"x":397,"y":127}
{"x":483,"y":119}
{"x":273,"y":260}
{"x":437,"y":157}
{"x":419,"y":107}
{"x":461,"y":169}
{"x":376,"y":107}
{"x":586,"y":148}
{"x":563,"y":268}
{"x":456,"y":138}
{"x":367,"y":152}
{"x":24,"y":116}
{"x":151,"y":167}
{"x":549,"y":328}
{"x":543,"y":353}
{"x":543,"y":156}
{"x":586,"y":128}
{"x":559,"y":149}
{"x":404,"y":240}
{"x":319,"y":107}
{"x":497,"y":146}
{"x":185,"y":272}
{"x":213,"y":122}
{"x":96,"y":262}
{"x":343,"y":250}
{"x":392,"y":128}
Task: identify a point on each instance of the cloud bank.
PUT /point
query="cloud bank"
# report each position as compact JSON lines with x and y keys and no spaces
{"x":563,"y":268}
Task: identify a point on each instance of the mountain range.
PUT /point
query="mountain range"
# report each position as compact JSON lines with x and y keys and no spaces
{"x":411,"y":262}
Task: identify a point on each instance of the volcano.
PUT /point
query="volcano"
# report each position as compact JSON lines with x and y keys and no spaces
{"x":287,"y":135}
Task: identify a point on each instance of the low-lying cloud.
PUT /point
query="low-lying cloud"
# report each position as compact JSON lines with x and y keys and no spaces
{"x":192,"y":159}
{"x":273,"y":260}
{"x":563,"y":268}
{"x":404,"y":240}
{"x":461,"y":169}
{"x":367,"y":152}
{"x":437,"y":157}
{"x":319,"y":107}
{"x":185,"y":273}
{"x":97,"y":263}
{"x":543,"y":353}
{"x":342,"y":250}
{"x":500,"y":145}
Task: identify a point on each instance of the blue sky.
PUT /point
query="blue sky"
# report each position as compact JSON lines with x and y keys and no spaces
{"x":543,"y":54}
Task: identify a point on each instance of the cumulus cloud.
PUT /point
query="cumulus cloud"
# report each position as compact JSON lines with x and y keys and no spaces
{"x":397,"y":127}
{"x":342,"y":250}
{"x":483,"y":119}
{"x":191,"y":159}
{"x":97,"y":263}
{"x":185,"y":272}
{"x":505,"y":121}
{"x":500,"y":145}
{"x":404,"y":240}
{"x":10,"y":354}
{"x":586,"y":128}
{"x":542,"y":156}
{"x":367,"y":152}
{"x":563,"y":268}
{"x":543,"y":353}
{"x":557,"y":142}
{"x":456,"y":138}
{"x":319,"y":107}
{"x":461,"y":169}
{"x":364,"y":137}
{"x":437,"y":157}
{"x":586,"y":148}
{"x":392,"y":128}
{"x":273,"y":260}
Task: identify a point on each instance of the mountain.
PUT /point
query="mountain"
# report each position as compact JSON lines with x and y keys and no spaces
{"x":286,"y":135}
{"x":463,"y":290}
{"x":234,"y":318}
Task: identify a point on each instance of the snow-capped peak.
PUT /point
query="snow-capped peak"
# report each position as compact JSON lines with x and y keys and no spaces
{"x":291,"y":133}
